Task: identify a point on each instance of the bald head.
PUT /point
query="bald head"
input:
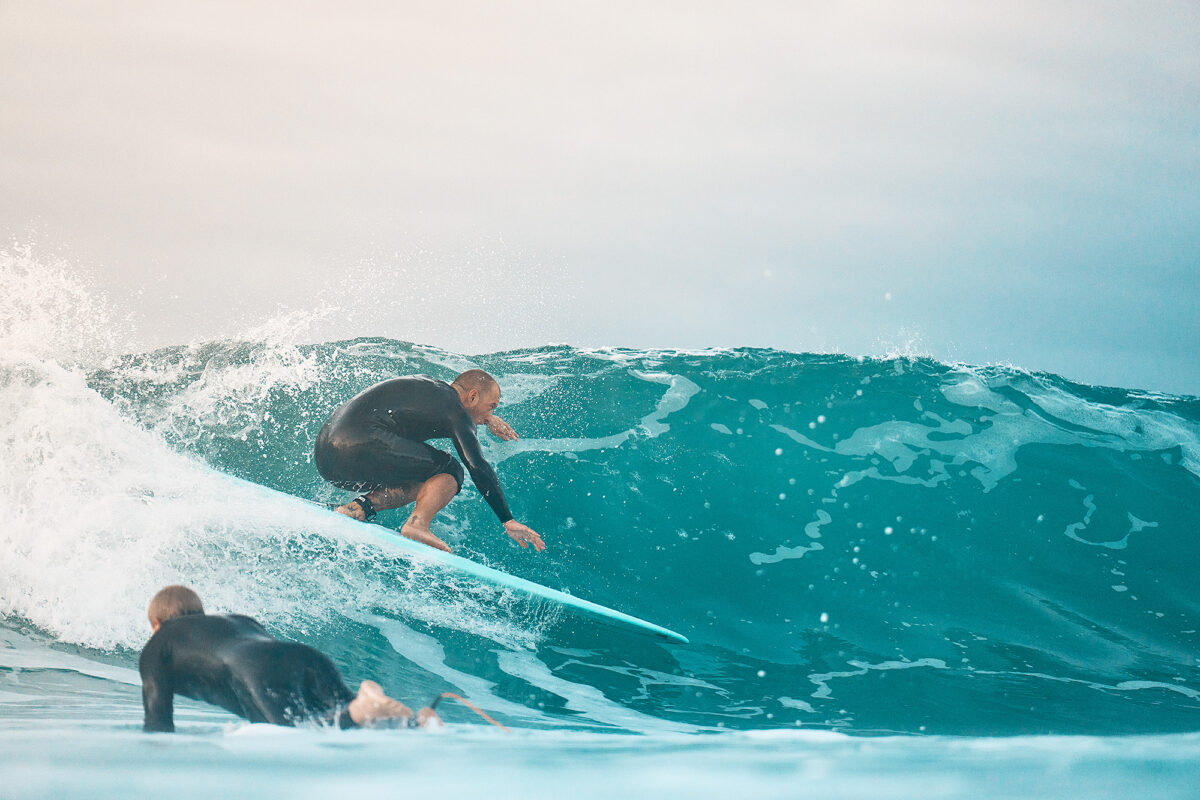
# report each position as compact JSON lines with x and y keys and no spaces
{"x":475,"y":379}
{"x":479,"y":393}
{"x":172,"y":602}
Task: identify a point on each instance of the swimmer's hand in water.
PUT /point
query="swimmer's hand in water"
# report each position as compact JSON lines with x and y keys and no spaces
{"x":500,"y":429}
{"x":524,"y":535}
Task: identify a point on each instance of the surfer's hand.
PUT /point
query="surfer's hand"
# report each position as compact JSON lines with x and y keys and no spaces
{"x":524,"y":535}
{"x":500,"y":429}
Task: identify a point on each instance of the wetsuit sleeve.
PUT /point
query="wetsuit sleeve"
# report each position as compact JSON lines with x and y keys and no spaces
{"x":158,"y":695}
{"x":467,"y":445}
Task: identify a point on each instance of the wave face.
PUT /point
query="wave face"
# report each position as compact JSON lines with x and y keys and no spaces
{"x":867,"y":545}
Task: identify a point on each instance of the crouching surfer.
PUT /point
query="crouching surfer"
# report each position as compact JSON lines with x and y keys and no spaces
{"x":375,"y":444}
{"x":232,"y":662}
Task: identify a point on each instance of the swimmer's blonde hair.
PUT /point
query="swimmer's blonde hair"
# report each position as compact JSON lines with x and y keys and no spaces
{"x":174,"y":601}
{"x":475,"y":379}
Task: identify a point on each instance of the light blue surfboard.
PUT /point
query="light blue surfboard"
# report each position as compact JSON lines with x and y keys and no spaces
{"x":500,"y":579}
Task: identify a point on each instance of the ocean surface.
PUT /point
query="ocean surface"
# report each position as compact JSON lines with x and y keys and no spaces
{"x":900,"y":577}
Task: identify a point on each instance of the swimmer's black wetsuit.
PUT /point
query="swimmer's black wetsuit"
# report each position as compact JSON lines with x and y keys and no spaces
{"x":376,"y":440}
{"x":232,"y":662}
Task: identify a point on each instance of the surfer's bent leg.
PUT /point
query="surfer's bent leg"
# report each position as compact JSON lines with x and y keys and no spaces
{"x":391,"y":470}
{"x":382,"y":500}
{"x":433,"y":497}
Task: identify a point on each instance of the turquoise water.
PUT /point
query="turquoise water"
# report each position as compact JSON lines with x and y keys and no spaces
{"x":899,"y":577}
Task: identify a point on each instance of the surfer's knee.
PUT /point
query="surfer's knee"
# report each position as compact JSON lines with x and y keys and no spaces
{"x":444,"y":479}
{"x":454,"y":470}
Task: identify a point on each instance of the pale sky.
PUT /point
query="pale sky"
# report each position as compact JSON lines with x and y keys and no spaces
{"x":1017,"y":183}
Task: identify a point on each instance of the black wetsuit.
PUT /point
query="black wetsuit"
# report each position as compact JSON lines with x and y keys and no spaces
{"x":232,"y":662}
{"x":376,"y":440}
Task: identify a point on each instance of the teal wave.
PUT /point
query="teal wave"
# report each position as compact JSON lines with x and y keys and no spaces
{"x":870,"y":545}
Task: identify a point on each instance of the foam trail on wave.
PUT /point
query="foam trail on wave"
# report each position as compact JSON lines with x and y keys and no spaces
{"x":101,"y":513}
{"x":675,"y":398}
{"x":429,"y":654}
{"x":22,"y":652}
{"x":588,"y":701}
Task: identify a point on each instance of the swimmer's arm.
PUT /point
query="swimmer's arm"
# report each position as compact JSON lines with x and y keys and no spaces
{"x":158,"y":701}
{"x":158,"y":692}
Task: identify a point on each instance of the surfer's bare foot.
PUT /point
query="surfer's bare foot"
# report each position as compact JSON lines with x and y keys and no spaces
{"x":353,"y":510}
{"x":418,"y":530}
{"x":427,"y":716}
{"x":372,"y":705}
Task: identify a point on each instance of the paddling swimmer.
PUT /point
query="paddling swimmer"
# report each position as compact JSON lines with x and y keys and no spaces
{"x":375,"y":444}
{"x":232,"y":662}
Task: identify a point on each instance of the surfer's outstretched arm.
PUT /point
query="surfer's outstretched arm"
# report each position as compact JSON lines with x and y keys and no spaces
{"x":467,"y":445}
{"x":484,"y":477}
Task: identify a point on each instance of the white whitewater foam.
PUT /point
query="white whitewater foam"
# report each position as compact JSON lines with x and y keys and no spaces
{"x":100,"y":514}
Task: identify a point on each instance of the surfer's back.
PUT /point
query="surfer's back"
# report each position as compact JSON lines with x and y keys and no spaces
{"x":416,"y":407}
{"x":199,"y":656}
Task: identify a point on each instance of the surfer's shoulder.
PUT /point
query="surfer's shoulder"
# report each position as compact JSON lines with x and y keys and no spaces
{"x":171,"y":633}
{"x":410,"y":383}
{"x":208,"y":625}
{"x":152,"y":653}
{"x":429,"y":380}
{"x":242,"y":622}
{"x":432,"y":387}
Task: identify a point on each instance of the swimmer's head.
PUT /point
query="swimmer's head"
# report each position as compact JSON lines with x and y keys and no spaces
{"x":172,"y":602}
{"x":479,"y":393}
